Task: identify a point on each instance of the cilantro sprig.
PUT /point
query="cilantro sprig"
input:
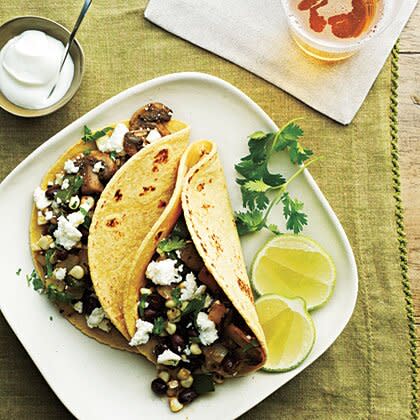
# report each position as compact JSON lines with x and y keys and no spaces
{"x":262,"y":189}
{"x":170,"y":244}
{"x":90,"y":136}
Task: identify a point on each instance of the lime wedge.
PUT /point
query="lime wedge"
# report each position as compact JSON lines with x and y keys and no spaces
{"x":294,"y":266}
{"x":289,"y":331}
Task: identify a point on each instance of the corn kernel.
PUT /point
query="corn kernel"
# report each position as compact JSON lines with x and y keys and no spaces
{"x":77,"y":272}
{"x":183,"y":374}
{"x":164,"y":375}
{"x":175,"y":405}
{"x":195,"y":349}
{"x":170,"y":328}
{"x":170,"y":304}
{"x":45,"y":241}
{"x":173,"y":314}
{"x":186,"y":383}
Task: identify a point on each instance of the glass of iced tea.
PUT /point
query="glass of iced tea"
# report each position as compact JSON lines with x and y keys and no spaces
{"x":333,"y":30}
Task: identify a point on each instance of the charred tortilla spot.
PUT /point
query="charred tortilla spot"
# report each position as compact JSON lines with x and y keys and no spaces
{"x":118,"y":196}
{"x":245,"y":289}
{"x":147,"y":189}
{"x":162,"y":204}
{"x":161,"y":156}
{"x":206,"y":206}
{"x":216,"y":243}
{"x":200,"y":187}
{"x":112,"y":222}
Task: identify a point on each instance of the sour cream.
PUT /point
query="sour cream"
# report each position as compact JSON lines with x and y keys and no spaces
{"x":29,"y":65}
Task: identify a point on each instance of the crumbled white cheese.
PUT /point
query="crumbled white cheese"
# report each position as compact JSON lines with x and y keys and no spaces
{"x":49,"y":215}
{"x":60,"y":273}
{"x":190,"y":290}
{"x":114,"y":142}
{"x":66,"y":234}
{"x":65,"y":184}
{"x":41,"y":200}
{"x":76,"y":218}
{"x":96,"y":317}
{"x":153,"y":135}
{"x":163,"y":272}
{"x":78,"y":306}
{"x":207,"y":329}
{"x":168,"y":358}
{"x":141,"y":336}
{"x":187,"y":351}
{"x":59,"y":178}
{"x":105,"y":325}
{"x":70,"y":167}
{"x":98,"y":166}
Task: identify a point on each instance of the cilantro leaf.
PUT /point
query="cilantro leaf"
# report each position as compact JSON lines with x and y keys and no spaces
{"x":113,"y":155}
{"x":249,"y":221}
{"x":176,"y":295}
{"x":295,"y":218}
{"x":90,"y":136}
{"x":56,"y":295}
{"x":18,"y":271}
{"x":142,"y":305}
{"x":158,"y":325}
{"x":48,"y":264}
{"x":195,"y":306}
{"x":252,"y":170}
{"x":35,"y":281}
{"x":170,"y":244}
{"x":288,"y":138}
{"x":75,"y":183}
{"x":261,"y":189}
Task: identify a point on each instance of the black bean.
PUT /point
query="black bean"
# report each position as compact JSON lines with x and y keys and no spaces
{"x":85,"y":233}
{"x":159,"y":386}
{"x":150,"y":314}
{"x":177,"y":342}
{"x":186,"y":396}
{"x":160,"y":348}
{"x":155,"y":302}
{"x":61,"y":254}
{"x":89,"y":303}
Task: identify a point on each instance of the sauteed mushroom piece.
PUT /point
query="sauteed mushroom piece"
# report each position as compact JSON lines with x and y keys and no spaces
{"x":109,"y":165}
{"x":154,"y":112}
{"x":91,"y":181}
{"x":134,"y":141}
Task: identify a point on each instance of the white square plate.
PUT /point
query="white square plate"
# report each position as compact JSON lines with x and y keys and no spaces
{"x":97,"y":382}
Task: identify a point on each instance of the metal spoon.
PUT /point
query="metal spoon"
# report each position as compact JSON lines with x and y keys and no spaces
{"x":79,"y":20}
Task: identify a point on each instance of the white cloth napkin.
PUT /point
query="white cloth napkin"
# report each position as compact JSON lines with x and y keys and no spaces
{"x":254,"y":35}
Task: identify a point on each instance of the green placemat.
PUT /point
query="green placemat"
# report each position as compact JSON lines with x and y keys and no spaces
{"x":370,"y":372}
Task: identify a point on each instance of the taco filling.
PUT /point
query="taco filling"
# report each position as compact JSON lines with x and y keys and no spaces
{"x":198,"y":336}
{"x":64,"y":209}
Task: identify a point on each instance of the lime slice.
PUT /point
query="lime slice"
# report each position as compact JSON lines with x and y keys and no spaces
{"x":289,"y":331}
{"x":294,"y":266}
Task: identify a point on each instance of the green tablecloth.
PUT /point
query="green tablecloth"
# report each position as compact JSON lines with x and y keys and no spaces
{"x":370,"y":371}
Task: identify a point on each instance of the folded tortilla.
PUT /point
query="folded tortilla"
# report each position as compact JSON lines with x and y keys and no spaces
{"x":201,"y":195}
{"x":114,"y":235}
{"x":127,"y":210}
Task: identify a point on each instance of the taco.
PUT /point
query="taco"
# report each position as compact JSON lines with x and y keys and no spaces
{"x":188,"y":305}
{"x":73,"y":201}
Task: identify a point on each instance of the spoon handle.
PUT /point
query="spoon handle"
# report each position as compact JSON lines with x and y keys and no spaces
{"x":79,"y":20}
